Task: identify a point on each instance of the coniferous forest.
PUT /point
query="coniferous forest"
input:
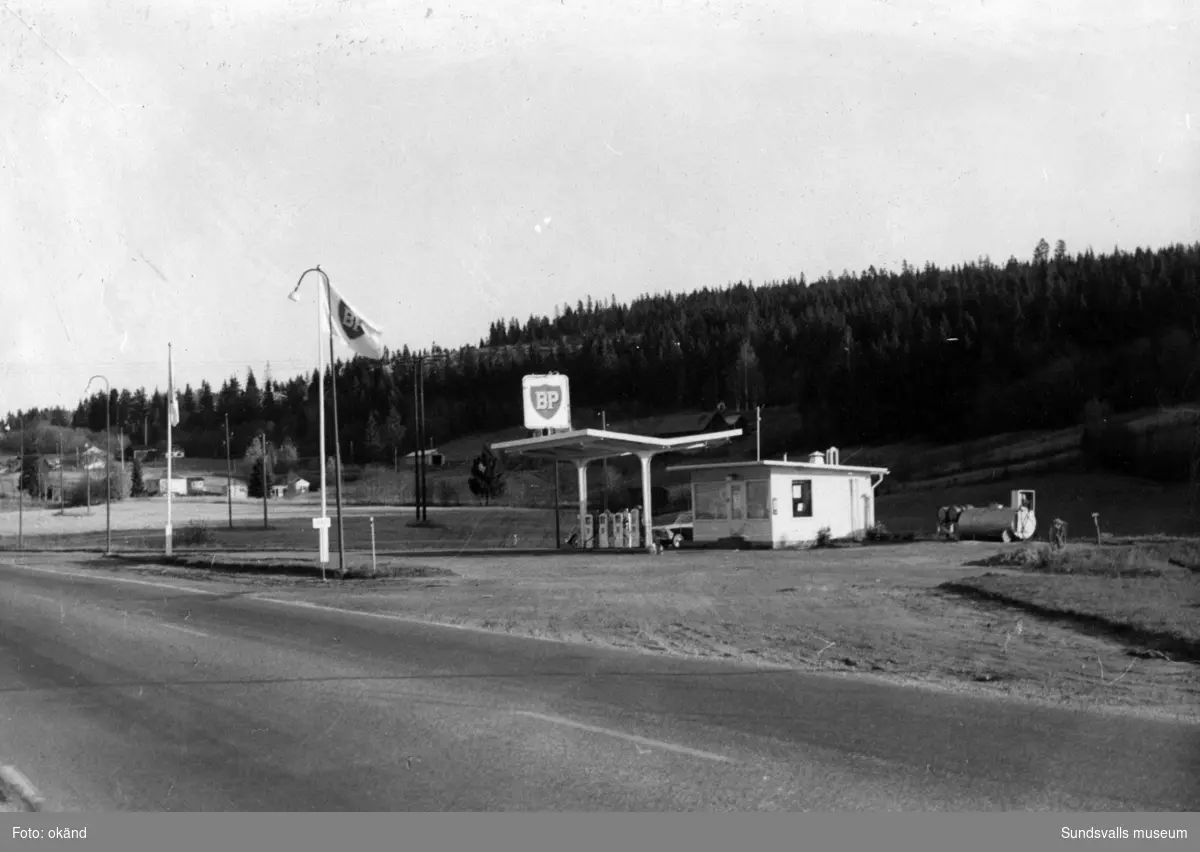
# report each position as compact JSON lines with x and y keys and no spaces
{"x":939,"y":353}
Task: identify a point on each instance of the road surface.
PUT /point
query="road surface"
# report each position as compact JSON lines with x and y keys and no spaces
{"x":125,"y":692}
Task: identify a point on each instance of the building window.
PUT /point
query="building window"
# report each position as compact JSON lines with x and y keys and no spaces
{"x":758,"y":499}
{"x":801,"y":498}
{"x":708,"y":500}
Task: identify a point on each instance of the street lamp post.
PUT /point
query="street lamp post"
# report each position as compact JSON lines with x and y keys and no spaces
{"x":107,"y":464}
{"x":20,"y":491}
{"x":228,"y":472}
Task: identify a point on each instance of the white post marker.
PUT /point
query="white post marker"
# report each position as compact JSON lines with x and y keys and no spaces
{"x":372,"y":544}
{"x":322,"y":527}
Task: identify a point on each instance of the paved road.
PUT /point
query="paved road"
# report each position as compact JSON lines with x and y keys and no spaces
{"x":124,"y":693}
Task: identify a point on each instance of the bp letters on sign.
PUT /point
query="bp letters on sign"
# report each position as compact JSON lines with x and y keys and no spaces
{"x":547,"y":402}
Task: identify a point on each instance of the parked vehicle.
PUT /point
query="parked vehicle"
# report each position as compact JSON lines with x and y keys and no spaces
{"x":676,"y":532}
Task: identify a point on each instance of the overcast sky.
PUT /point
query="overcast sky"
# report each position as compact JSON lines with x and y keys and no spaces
{"x":168,"y":170}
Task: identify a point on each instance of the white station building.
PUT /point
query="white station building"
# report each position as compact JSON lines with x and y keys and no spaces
{"x":782,"y":503}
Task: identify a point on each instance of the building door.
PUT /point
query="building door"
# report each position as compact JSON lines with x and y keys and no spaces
{"x":737,"y":507}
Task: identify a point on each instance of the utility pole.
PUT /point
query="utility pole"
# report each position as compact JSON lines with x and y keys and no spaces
{"x":266,"y":478}
{"x":420,"y":433}
{"x":417,"y":437}
{"x":228,"y":472}
{"x":758,"y":430}
{"x":20,"y":488}
{"x":424,"y":437}
{"x":557,"y":503}
{"x":107,"y":463}
{"x":62,"y":506}
{"x":603,"y":462}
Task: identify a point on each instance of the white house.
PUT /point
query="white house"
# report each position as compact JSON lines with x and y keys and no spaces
{"x":278,"y":490}
{"x":782,"y":503}
{"x":300,"y":486}
{"x":240,"y":490}
{"x":93,"y":458}
{"x":433,"y":458}
{"x":178,"y":486}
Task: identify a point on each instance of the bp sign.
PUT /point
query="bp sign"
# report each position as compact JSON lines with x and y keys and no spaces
{"x":547,"y":401}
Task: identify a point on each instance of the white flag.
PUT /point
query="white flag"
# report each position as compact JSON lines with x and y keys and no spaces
{"x":174,"y":410}
{"x":360,"y":335}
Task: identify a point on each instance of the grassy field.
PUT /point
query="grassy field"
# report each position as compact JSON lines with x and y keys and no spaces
{"x":1146,"y":592}
{"x":1127,"y":505}
{"x":202,"y":523}
{"x":941,"y":616}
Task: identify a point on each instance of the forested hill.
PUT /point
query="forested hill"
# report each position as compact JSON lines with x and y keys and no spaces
{"x":945,"y":353}
{"x":871,"y":357}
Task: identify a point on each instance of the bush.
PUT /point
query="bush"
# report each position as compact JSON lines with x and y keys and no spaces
{"x":196,"y":533}
{"x":878,"y":532}
{"x":77,"y":493}
{"x":447,"y":494}
{"x":824,"y":537}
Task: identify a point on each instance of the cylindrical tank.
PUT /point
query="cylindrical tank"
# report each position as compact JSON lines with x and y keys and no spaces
{"x":996,"y":523}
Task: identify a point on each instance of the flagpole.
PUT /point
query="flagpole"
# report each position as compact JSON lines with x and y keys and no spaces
{"x":352,"y":327}
{"x":337,"y":444}
{"x":170,"y":417}
{"x":322,"y":523}
{"x":321,"y":417}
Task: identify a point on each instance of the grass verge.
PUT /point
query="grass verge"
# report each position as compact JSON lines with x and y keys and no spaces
{"x":1145,"y":595}
{"x":884,"y":610}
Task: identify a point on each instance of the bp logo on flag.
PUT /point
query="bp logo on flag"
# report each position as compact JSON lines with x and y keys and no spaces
{"x":352,"y":326}
{"x":546,"y":399}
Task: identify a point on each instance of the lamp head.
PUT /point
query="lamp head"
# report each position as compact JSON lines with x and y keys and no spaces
{"x":292,"y":295}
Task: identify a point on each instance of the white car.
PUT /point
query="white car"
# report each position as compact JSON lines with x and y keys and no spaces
{"x":676,"y":532}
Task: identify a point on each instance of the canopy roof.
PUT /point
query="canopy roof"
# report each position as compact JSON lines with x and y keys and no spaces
{"x":596,"y":444}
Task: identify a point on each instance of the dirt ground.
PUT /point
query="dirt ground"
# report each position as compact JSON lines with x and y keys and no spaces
{"x":865,"y":612}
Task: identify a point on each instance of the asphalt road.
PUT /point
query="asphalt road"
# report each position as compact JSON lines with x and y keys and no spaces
{"x":124,"y":692}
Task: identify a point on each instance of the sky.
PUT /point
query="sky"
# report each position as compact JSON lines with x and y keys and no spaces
{"x":168,"y":169}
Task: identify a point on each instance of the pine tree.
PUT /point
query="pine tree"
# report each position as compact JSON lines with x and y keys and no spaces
{"x":137,"y":486}
{"x":373,"y":439}
{"x":486,"y":480}
{"x":32,"y":478}
{"x":286,"y":457}
{"x":257,"y":485}
{"x":394,"y":426}
{"x":252,"y":404}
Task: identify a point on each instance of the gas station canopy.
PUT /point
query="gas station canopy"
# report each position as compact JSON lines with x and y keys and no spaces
{"x":582,"y":446}
{"x":585,"y":445}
